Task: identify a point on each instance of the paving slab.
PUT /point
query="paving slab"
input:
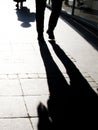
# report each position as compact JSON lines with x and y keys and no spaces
{"x":12,"y":107}
{"x":15,"y":124}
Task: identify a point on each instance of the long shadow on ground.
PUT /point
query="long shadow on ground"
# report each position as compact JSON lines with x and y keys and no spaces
{"x":69,"y":105}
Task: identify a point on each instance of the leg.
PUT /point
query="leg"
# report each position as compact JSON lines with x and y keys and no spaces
{"x":40,"y":9}
{"x":21,"y":4}
{"x":17,"y":5}
{"x":56,"y":9}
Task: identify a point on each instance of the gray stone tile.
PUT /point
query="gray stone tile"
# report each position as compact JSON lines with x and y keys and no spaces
{"x":10,"y":87}
{"x":15,"y":124}
{"x":12,"y":107}
{"x":32,"y":103}
{"x":34,"y":86}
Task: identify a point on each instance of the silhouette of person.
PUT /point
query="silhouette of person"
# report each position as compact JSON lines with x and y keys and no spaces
{"x":40,"y":9}
{"x":21,"y":3}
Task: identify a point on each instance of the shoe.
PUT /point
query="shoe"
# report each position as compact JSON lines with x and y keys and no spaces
{"x":51,"y":35}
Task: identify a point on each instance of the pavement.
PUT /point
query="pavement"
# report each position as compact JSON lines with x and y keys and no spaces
{"x":24,"y":69}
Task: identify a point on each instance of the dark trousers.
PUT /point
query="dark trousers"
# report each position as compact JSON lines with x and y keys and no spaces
{"x":40,"y":10}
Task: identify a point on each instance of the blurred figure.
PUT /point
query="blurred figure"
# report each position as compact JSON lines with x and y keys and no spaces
{"x":21,"y":3}
{"x":66,"y":2}
{"x":40,"y":9}
{"x":79,"y":2}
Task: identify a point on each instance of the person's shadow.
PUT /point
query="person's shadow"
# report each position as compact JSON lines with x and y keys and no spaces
{"x":69,"y":105}
{"x":25,"y":16}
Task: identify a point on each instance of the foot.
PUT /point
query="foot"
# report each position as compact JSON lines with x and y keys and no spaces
{"x":51,"y":34}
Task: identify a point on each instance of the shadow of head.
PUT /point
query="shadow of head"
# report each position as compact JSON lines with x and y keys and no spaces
{"x":44,"y":121}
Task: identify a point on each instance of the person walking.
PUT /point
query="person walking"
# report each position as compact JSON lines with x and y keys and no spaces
{"x":21,"y":3}
{"x":40,"y":10}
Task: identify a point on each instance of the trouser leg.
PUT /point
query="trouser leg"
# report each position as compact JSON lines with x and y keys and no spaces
{"x":21,"y":4}
{"x":40,"y":9}
{"x":56,"y":9}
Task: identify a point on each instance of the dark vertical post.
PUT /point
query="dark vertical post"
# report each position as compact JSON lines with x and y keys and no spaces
{"x":73,"y":7}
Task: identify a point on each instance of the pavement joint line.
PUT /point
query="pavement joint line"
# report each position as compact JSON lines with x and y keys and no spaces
{"x":36,"y":76}
{"x":26,"y":107}
{"x":24,"y":99}
{"x":21,"y":117}
{"x":24,"y":95}
{"x":41,"y":75}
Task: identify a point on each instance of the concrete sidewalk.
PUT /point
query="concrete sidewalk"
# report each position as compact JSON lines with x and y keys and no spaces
{"x":23,"y":77}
